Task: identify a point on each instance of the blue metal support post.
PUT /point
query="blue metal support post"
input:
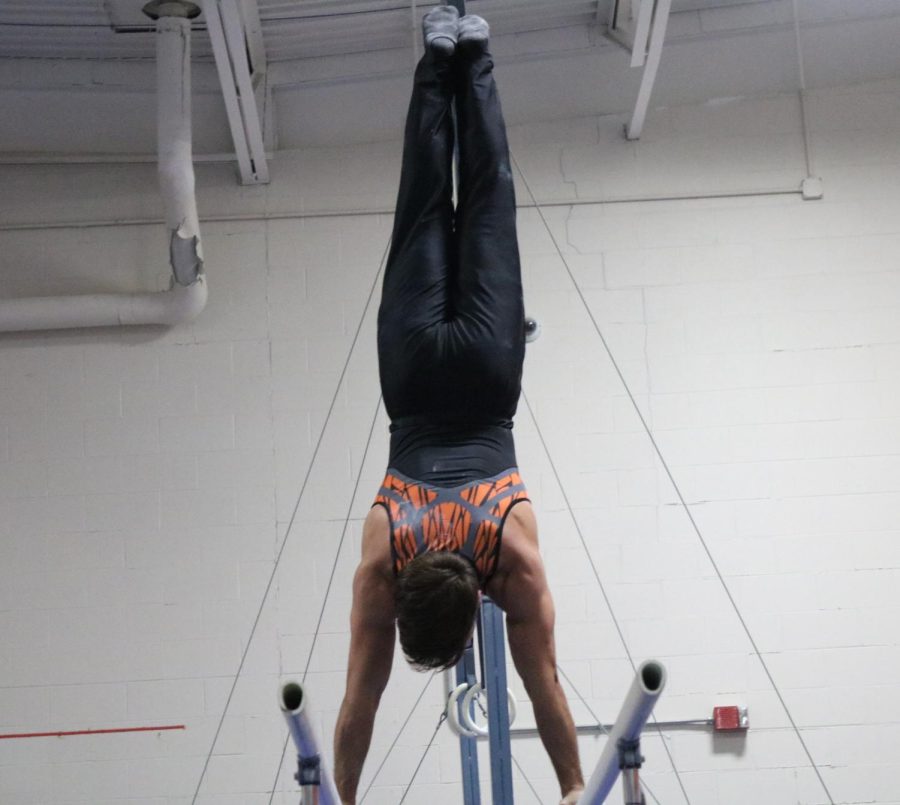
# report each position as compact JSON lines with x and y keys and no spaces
{"x":493,"y":657}
{"x":468,"y":747}
{"x":493,"y":675}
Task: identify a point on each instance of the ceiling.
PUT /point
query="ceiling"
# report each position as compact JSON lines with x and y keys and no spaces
{"x":327,"y":59}
{"x":293,"y":29}
{"x":300,"y":29}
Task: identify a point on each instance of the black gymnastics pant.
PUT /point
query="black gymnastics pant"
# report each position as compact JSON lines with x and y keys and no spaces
{"x":451,"y":326}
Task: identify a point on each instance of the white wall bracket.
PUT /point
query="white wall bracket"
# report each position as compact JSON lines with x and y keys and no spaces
{"x":640,"y":27}
{"x":235,"y":33}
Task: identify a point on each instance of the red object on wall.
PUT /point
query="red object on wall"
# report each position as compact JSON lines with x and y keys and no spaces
{"x":727,"y":719}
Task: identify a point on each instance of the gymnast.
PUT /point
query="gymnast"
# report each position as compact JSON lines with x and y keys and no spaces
{"x":452,"y":518}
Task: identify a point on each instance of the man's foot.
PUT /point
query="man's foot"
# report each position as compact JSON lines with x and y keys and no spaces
{"x":474,"y":33}
{"x":441,"y":26}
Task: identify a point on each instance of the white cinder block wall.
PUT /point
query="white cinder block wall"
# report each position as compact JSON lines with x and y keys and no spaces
{"x":176,"y":505}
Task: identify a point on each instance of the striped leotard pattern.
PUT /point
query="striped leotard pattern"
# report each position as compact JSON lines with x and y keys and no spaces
{"x":467,"y":519}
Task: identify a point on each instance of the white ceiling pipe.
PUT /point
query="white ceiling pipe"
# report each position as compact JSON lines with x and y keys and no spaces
{"x":176,"y":168}
{"x":187,"y":296}
{"x":180,"y":304}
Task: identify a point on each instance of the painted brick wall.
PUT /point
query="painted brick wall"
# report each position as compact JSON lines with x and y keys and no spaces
{"x":710,"y":412}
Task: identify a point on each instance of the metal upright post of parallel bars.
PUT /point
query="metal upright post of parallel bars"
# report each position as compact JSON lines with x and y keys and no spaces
{"x":492,"y":650}
{"x":468,"y":745}
{"x":493,"y":676}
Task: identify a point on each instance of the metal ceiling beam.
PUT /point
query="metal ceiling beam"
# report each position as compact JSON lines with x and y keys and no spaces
{"x":253,"y":30}
{"x":642,"y":33}
{"x":259,"y":61}
{"x":640,"y":27}
{"x":236,"y":38}
{"x":651,"y":66}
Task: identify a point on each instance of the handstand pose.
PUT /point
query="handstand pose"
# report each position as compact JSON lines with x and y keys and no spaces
{"x":451,"y":343}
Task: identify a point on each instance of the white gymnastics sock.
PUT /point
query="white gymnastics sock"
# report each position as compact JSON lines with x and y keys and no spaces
{"x":440,"y":27}
{"x":473,"y":32}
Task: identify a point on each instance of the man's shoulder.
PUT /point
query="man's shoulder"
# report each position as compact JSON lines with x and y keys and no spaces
{"x":376,"y":543}
{"x":519,"y":542}
{"x":520,"y":571}
{"x":373,"y":583}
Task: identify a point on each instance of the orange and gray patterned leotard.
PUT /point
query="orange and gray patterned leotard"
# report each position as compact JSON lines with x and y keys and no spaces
{"x":466,"y":519}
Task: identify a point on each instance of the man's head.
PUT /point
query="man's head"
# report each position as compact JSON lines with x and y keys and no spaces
{"x":437,"y":598}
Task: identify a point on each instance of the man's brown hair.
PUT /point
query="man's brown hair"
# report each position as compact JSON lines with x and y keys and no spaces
{"x":436,"y":599}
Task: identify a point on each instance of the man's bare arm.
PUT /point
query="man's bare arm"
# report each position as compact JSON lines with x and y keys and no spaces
{"x":371,"y":656}
{"x":530,"y":616}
